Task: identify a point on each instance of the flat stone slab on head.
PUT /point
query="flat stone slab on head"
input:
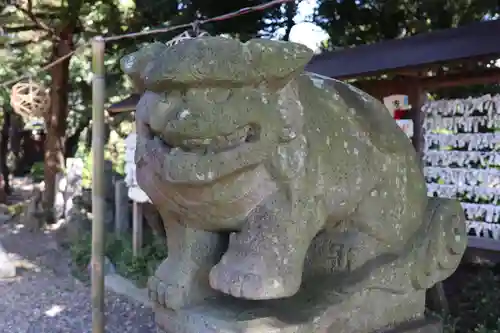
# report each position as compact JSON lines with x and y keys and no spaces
{"x":213,"y":61}
{"x":134,"y":63}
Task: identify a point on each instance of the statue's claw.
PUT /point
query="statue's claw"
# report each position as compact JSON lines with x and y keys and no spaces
{"x":175,"y":289}
{"x":165,"y":294}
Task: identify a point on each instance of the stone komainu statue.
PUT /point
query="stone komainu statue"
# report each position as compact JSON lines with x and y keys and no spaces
{"x":281,"y":186}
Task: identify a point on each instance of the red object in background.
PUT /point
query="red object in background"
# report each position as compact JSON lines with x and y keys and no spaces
{"x":399,"y":114}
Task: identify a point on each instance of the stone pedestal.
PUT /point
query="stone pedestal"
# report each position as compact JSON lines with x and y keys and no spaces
{"x":427,"y":325}
{"x":313,"y":310}
{"x":195,"y":320}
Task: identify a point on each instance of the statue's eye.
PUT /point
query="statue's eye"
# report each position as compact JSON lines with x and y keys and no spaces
{"x":173,"y":96}
{"x":168,"y":102}
{"x":217,"y":95}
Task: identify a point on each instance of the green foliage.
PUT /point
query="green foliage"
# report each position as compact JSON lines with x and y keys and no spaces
{"x":119,"y":251}
{"x":16,"y":209}
{"x":473,"y":296}
{"x":37,"y":172}
{"x":141,"y":267}
{"x":87,"y":171}
{"x":355,"y":22}
{"x":482,"y":329}
{"x":81,"y":251}
{"x":114,"y":151}
{"x":31,"y":45}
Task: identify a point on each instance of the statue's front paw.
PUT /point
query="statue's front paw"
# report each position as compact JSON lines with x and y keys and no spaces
{"x":252,"y":278}
{"x":177,"y":285}
{"x":166,"y":294}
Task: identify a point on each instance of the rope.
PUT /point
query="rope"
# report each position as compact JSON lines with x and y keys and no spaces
{"x":223,"y":17}
{"x":197,"y":23}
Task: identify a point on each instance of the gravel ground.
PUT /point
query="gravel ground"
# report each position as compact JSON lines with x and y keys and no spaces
{"x":44,"y":297}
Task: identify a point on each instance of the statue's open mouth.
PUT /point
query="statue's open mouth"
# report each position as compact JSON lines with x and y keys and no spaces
{"x":202,"y":160}
{"x":214,"y":145}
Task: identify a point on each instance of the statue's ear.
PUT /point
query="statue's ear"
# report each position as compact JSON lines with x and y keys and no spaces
{"x":277,"y":60}
{"x":135,"y":63}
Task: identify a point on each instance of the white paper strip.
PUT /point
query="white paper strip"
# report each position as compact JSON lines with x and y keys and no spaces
{"x":462,"y":176}
{"x":490,"y":213}
{"x":472,"y":193}
{"x":467,"y":174}
{"x":486,"y":105}
{"x":461,"y":158}
{"x":484,"y":229}
{"x":471,"y":141}
{"x":135,"y":193}
{"x":467,"y":124}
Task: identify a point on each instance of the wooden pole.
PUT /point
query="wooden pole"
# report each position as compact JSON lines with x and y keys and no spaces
{"x":137,"y":233}
{"x":121,"y":205}
{"x":98,"y":95}
{"x":417,"y":99}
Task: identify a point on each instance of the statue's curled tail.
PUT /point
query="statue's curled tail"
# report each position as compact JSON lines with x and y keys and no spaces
{"x":439,"y":255}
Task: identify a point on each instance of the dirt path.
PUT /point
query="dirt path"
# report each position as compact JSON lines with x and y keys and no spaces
{"x":44,"y":297}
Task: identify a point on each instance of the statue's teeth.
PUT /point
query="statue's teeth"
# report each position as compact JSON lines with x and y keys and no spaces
{"x":196,"y":142}
{"x":218,"y":143}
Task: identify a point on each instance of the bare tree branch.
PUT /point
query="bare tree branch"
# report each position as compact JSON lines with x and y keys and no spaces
{"x":20,"y":28}
{"x":28,"y":12}
{"x":21,"y":44}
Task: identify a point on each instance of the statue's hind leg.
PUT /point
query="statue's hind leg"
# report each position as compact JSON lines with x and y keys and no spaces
{"x":265,"y":259}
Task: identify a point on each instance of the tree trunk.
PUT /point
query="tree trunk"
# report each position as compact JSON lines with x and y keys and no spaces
{"x":4,"y":149}
{"x":16,"y":134}
{"x":72,"y":141}
{"x":290,"y":12}
{"x":56,"y":120}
